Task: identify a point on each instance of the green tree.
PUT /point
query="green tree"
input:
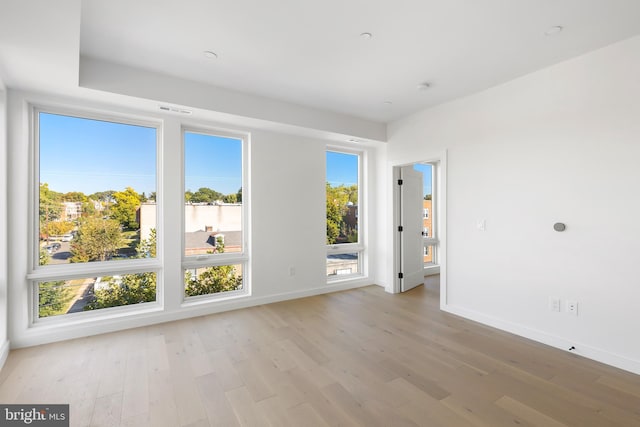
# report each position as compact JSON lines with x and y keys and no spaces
{"x":58,"y":228}
{"x":221,"y":278}
{"x":427,"y":196}
{"x":50,"y":208}
{"x":97,"y":240}
{"x":230,"y":198}
{"x":188,"y":195}
{"x":130,"y":288}
{"x":206,"y":195}
{"x":53,"y":298}
{"x":105,"y":198}
{"x":74,"y":196}
{"x":125,"y":208}
{"x":337,"y":199}
{"x":239,"y":195}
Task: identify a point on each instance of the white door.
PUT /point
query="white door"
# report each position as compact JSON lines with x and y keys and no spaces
{"x":411,"y":245}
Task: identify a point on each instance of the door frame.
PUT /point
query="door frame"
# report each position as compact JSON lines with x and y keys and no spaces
{"x":441,"y":211}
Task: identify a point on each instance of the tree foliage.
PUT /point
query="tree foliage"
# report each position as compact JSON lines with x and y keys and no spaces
{"x":130,"y":288}
{"x":125,"y":208}
{"x":97,"y":240}
{"x":50,"y":208}
{"x":206,"y":195}
{"x":74,"y":196}
{"x":53,"y":298}
{"x":58,"y":228}
{"x":338,"y":201}
{"x":221,"y":278}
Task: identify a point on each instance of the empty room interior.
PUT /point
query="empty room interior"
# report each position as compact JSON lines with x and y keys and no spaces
{"x":320,"y":213}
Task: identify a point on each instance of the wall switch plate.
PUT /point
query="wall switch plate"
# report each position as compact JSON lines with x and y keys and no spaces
{"x":481,"y":224}
{"x":572,"y":307}
{"x":292,"y":271}
{"x":554,"y":304}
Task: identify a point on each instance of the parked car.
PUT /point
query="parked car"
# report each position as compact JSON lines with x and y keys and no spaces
{"x":67,"y":238}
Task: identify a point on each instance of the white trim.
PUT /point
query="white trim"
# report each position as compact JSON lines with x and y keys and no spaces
{"x":45,"y":335}
{"x":228,"y":258}
{"x":360,"y":247}
{"x":38,"y":273}
{"x":439,"y":220}
{"x":561,"y":343}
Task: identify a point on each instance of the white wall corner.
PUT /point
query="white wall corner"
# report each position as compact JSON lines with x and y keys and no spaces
{"x":562,"y":343}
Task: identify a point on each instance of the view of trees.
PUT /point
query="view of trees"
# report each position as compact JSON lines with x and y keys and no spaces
{"x":207,"y":195}
{"x":222,"y":278}
{"x":106,"y":226}
{"x":97,"y":239}
{"x":129,"y":288}
{"x":339,"y":228}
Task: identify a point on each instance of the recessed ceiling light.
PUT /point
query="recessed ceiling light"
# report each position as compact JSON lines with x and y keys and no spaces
{"x":366,"y":36}
{"x":353,"y":140}
{"x":388,"y":103}
{"x":423,"y":86}
{"x":210,"y":54}
{"x":552,"y":31}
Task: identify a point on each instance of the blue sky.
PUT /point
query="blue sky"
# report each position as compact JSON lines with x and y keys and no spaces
{"x":426,"y":175}
{"x":212,"y":161}
{"x":342,"y":168}
{"x":90,"y":156}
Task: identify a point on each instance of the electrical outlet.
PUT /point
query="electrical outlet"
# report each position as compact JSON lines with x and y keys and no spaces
{"x":292,"y":271}
{"x":554,"y":304}
{"x":572,"y":307}
{"x":481,"y":224}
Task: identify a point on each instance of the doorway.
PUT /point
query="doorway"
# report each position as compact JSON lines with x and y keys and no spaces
{"x":419,"y":219}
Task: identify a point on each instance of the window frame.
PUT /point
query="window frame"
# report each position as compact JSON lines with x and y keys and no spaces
{"x":228,"y":258}
{"x":37,"y":273}
{"x":359,"y":247}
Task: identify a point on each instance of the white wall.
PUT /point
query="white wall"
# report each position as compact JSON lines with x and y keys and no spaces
{"x":4,"y":343}
{"x":287,"y":228}
{"x":561,"y":144}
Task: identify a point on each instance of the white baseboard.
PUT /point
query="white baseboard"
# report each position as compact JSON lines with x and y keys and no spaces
{"x":561,"y":343}
{"x":4,"y":353}
{"x":64,"y":331}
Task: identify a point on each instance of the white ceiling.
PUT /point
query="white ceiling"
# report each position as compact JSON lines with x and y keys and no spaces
{"x":310,"y":53}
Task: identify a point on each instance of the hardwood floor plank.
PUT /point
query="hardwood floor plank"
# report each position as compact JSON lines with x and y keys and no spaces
{"x":523,"y":411}
{"x":358,"y":357}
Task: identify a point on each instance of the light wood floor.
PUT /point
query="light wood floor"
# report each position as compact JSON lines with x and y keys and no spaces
{"x":359,"y":357}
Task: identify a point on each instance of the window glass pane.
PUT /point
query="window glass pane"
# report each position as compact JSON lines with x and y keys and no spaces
{"x":94,"y":178}
{"x":343,"y":264}
{"x":213,"y":194}
{"x":342,"y":198}
{"x":213,"y":280}
{"x":429,"y":254}
{"x":94,"y":293}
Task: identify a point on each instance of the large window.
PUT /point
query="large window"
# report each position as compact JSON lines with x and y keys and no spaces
{"x":214,"y":214}
{"x":94,"y":177}
{"x":344,"y":213}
